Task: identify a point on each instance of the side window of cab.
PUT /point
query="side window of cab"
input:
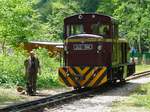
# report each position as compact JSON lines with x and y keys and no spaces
{"x":104,"y":30}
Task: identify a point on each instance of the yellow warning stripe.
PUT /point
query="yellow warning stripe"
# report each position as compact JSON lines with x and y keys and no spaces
{"x":68,"y":78}
{"x":63,"y":72}
{"x":103,"y":81}
{"x":82,"y":72}
{"x":98,"y":75}
{"x":89,"y":75}
{"x":63,"y":77}
{"x":72,"y":73}
{"x":61,"y":80}
{"x":89,"y":79}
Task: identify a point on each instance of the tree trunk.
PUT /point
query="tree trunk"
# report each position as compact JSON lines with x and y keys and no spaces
{"x":3,"y":47}
{"x":139,"y":44}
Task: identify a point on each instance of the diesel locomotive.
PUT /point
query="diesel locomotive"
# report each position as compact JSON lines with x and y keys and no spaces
{"x":93,"y":52}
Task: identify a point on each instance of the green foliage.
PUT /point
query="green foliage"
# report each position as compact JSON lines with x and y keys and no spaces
{"x":12,"y":69}
{"x":54,"y":14}
{"x":49,"y":69}
{"x":133,"y":20}
{"x":23,"y":20}
{"x":18,"y":22}
{"x":106,"y":7}
{"x":89,"y":5}
{"x":133,"y":15}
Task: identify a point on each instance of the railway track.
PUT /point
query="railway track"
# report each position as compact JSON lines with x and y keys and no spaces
{"x":40,"y":104}
{"x":138,"y":75}
{"x":51,"y":101}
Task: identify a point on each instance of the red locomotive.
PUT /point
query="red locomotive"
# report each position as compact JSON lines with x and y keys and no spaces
{"x":93,"y":52}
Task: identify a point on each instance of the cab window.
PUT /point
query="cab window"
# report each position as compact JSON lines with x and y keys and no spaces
{"x":102,"y":30}
{"x":97,"y":29}
{"x":75,"y":29}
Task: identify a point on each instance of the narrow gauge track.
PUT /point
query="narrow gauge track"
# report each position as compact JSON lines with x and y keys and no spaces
{"x":138,"y":75}
{"x":51,"y":101}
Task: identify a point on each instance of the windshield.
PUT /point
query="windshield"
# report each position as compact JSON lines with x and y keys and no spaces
{"x":75,"y":29}
{"x":100,"y":29}
{"x":97,"y":29}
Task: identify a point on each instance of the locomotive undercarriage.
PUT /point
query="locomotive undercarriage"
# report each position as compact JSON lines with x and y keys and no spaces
{"x":121,"y":72}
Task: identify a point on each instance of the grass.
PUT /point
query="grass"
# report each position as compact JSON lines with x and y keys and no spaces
{"x":140,"y":68}
{"x":141,"y":97}
{"x":138,"y":101}
{"x":8,"y":95}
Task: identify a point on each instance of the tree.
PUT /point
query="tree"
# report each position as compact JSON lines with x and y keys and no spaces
{"x":52,"y":28}
{"x":89,"y":5}
{"x":133,"y":16}
{"x":17,"y":21}
{"x":133,"y":19}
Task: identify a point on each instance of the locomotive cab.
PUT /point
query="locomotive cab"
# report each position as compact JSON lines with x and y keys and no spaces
{"x":93,"y":52}
{"x":84,"y":36}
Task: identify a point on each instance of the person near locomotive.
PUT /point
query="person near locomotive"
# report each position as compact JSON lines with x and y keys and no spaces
{"x":32,"y":68}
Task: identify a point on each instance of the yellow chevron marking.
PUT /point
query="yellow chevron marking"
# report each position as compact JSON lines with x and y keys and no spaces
{"x":79,"y":70}
{"x":67,"y":78}
{"x":63,"y":72}
{"x":89,"y":75}
{"x":103,"y":81}
{"x":61,"y":80}
{"x":98,"y":75}
{"x":72,"y":72}
{"x":82,"y":72}
{"x":71,"y":82}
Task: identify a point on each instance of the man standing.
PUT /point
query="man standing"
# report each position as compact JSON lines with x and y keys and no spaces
{"x":32,"y":67}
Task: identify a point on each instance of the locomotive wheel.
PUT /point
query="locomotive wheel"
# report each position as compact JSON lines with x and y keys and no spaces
{"x":114,"y":81}
{"x":122,"y":81}
{"x":77,"y":88}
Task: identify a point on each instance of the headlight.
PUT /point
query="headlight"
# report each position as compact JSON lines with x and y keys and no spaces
{"x":99,"y":47}
{"x":65,"y":48}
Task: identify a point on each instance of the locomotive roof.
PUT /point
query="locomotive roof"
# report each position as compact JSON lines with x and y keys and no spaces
{"x":47,"y":43}
{"x":89,"y":17}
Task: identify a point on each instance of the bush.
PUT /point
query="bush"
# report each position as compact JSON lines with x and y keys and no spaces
{"x":49,"y":68}
{"x":12,"y":69}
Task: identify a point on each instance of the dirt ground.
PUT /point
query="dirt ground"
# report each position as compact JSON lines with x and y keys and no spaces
{"x":23,"y":97}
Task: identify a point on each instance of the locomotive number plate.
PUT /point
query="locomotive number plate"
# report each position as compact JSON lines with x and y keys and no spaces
{"x":82,"y":47}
